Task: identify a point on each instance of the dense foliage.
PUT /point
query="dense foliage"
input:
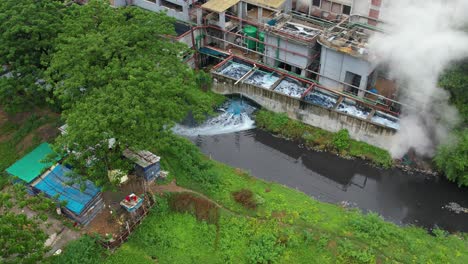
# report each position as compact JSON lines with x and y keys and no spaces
{"x":317,"y":138}
{"x":27,"y":34}
{"x":84,"y":250}
{"x":21,"y":239}
{"x":452,"y":158}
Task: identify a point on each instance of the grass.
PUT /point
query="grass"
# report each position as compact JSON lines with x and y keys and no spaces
{"x":320,"y":139}
{"x":357,"y":238}
{"x":283,"y":225}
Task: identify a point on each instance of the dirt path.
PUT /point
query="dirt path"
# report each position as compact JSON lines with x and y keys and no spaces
{"x":174,"y":188}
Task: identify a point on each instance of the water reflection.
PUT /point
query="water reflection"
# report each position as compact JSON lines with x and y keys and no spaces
{"x":399,"y":197}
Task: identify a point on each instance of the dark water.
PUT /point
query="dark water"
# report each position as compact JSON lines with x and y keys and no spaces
{"x":398,"y":197}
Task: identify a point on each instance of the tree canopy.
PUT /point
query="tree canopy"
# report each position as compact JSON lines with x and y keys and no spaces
{"x":27,"y":34}
{"x":452,"y":158}
{"x":117,"y":75}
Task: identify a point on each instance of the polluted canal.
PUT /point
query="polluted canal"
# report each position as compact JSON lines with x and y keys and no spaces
{"x":399,"y":197}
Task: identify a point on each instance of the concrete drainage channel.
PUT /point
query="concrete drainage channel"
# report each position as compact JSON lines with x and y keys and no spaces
{"x":304,"y":100}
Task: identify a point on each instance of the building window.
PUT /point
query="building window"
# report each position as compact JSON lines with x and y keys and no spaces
{"x":346,"y":10}
{"x":316,"y":3}
{"x":336,"y":8}
{"x":374,"y":13}
{"x":376,"y":2}
{"x":326,"y":5}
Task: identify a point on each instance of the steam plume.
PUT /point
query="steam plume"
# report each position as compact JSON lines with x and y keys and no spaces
{"x":423,"y":38}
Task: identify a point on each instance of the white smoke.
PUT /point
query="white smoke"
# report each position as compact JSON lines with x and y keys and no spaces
{"x":423,"y":38}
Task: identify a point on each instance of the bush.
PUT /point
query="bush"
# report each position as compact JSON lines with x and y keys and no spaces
{"x":341,"y":140}
{"x":246,"y":198}
{"x":453,"y":159}
{"x":264,"y":249}
{"x":84,"y":250}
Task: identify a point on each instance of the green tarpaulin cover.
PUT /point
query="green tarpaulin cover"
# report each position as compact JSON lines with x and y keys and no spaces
{"x":30,"y":166}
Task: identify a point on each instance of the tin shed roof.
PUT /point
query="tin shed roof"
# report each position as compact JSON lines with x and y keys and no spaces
{"x":143,"y":158}
{"x":219,"y":6}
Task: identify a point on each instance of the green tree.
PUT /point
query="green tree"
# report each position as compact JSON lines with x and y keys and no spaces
{"x":117,"y":75}
{"x":28,"y":29}
{"x":455,"y":80}
{"x":452,"y":159}
{"x":21,"y":239}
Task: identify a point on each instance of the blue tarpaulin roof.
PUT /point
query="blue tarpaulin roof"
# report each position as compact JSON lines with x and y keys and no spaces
{"x":57,"y":182}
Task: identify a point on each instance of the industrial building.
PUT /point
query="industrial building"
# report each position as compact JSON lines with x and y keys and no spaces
{"x":319,"y":41}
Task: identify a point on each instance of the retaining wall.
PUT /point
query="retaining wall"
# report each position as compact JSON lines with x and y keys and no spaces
{"x":328,"y":119}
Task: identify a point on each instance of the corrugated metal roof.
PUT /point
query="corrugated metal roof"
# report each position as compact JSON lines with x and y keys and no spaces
{"x":219,"y":5}
{"x":275,"y":4}
{"x":31,"y":166}
{"x":143,"y":158}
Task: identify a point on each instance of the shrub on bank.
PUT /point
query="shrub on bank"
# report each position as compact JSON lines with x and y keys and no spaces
{"x":320,"y":139}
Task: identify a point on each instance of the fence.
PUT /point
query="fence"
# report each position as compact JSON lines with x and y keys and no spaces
{"x":137,"y":218}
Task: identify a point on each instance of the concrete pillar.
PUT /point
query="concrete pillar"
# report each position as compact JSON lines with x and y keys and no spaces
{"x":240,"y":13}
{"x":222,"y":20}
{"x":303,"y":73}
{"x":362,"y":87}
{"x":260,"y":15}
{"x":185,"y":12}
{"x":119,"y":3}
{"x":199,"y":16}
{"x":287,"y":6}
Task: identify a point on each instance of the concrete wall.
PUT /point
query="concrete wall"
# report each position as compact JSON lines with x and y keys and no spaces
{"x":290,"y":58}
{"x":310,"y":114}
{"x":183,"y":16}
{"x":335,"y":64}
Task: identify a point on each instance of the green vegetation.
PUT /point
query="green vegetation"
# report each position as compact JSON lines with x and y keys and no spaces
{"x":452,"y":158}
{"x":27,"y":33}
{"x":84,"y":250}
{"x":283,"y":226}
{"x":117,"y":76}
{"x":319,"y":139}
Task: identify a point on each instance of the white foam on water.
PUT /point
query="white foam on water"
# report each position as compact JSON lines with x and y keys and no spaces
{"x":235,"y":70}
{"x":262,"y":79}
{"x":385,"y":121}
{"x":321,"y":99}
{"x":222,"y":124}
{"x":352,"y":110}
{"x":290,"y":88}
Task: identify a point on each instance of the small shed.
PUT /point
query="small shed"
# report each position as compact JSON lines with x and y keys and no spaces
{"x":82,"y":204}
{"x":31,"y":166}
{"x":146,"y":163}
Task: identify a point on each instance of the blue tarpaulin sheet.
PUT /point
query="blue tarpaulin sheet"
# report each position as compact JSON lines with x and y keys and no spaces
{"x":57,"y":182}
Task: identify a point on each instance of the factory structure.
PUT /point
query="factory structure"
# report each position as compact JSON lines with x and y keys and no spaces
{"x":312,"y":50}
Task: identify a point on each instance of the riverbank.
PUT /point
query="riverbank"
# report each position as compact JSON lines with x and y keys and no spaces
{"x":322,"y":140}
{"x":262,"y":221}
